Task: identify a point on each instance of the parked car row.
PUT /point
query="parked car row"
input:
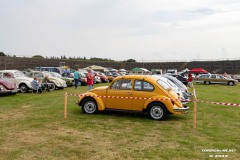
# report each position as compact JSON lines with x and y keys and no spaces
{"x":12,"y":81}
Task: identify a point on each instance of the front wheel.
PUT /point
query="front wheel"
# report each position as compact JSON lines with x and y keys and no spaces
{"x":23,"y":88}
{"x":157,"y":111}
{"x":89,"y":106}
{"x":230,"y":83}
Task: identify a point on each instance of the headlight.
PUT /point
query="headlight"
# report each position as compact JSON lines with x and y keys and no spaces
{"x":1,"y":87}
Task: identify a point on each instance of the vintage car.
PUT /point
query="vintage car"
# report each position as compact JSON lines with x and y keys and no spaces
{"x":56,"y":82}
{"x":7,"y":87}
{"x":180,"y":85}
{"x":184,"y":80}
{"x":141,"y":93}
{"x":109,"y":76}
{"x":82,"y":78}
{"x":102,"y":76}
{"x":69,"y":81}
{"x":215,"y":79}
{"x":17,"y":77}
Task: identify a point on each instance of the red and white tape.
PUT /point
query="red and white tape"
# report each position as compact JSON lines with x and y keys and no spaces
{"x":120,"y":97}
{"x":162,"y":99}
{"x":220,"y":103}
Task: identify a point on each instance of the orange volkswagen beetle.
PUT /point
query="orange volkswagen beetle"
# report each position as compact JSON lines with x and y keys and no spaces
{"x":141,"y":93}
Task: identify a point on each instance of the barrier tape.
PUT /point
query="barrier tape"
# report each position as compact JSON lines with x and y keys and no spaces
{"x":220,"y":103}
{"x":120,"y":97}
{"x":162,"y":99}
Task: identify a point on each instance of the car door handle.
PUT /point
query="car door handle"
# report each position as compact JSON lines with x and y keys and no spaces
{"x":129,"y":93}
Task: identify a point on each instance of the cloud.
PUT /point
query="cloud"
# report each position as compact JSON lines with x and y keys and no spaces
{"x":121,"y":29}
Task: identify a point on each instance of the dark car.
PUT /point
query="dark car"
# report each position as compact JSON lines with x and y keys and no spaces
{"x":180,"y":85}
{"x":181,"y":78}
{"x":7,"y":87}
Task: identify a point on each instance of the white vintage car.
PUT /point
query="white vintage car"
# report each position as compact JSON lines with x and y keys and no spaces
{"x":57,"y":82}
{"x":17,"y":77}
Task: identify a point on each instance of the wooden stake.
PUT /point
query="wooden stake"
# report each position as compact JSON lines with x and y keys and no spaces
{"x":65,"y":105}
{"x":194,"y":109}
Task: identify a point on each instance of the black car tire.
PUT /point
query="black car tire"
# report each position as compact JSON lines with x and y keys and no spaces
{"x":207,"y":82}
{"x":231,"y":83}
{"x":23,"y":88}
{"x":89,"y":106}
{"x":157,"y":111}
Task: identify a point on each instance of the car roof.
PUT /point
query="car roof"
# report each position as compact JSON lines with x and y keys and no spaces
{"x":14,"y":70}
{"x":146,"y":77}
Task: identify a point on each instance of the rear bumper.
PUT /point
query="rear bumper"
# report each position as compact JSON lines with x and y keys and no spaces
{"x":181,"y":110}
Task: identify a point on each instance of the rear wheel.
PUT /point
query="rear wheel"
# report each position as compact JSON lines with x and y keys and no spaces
{"x":23,"y":88}
{"x":207,"y":82}
{"x":89,"y":106}
{"x":157,"y":111}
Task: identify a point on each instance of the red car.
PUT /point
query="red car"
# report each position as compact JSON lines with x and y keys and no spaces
{"x":102,"y":76}
{"x":7,"y":87}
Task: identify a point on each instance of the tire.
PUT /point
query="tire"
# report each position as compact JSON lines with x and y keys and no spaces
{"x":231,"y":83}
{"x":89,"y":106}
{"x":23,"y":88}
{"x":207,"y":82}
{"x":53,"y":87}
{"x":157,"y":111}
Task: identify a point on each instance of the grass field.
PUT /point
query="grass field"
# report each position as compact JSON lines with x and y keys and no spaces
{"x":33,"y":127}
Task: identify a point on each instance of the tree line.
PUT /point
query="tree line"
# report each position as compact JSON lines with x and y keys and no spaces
{"x":2,"y":54}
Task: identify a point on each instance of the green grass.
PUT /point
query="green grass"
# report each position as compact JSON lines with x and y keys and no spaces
{"x":33,"y":127}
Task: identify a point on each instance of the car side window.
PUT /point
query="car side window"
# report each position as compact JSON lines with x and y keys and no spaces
{"x":39,"y":75}
{"x":140,"y":85}
{"x":122,"y":85}
{"x":7,"y":75}
{"x":213,"y":76}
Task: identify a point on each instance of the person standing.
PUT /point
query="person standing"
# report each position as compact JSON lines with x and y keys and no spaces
{"x":76,"y":76}
{"x":190,"y":80}
{"x":89,"y":79}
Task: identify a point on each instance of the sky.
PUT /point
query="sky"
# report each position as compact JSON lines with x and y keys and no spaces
{"x":144,"y":30}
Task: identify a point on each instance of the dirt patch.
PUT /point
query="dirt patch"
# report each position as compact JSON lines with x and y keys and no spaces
{"x":16,"y":114}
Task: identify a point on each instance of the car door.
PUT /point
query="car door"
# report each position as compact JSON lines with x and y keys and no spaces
{"x":119,"y":95}
{"x":214,"y":79}
{"x":142,"y":90}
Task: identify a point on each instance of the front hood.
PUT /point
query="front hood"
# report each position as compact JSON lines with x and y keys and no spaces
{"x":99,"y":88}
{"x":8,"y":84}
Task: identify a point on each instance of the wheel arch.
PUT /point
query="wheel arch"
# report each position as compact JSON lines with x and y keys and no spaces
{"x":23,"y":83}
{"x":159,"y":102}
{"x":97,"y":100}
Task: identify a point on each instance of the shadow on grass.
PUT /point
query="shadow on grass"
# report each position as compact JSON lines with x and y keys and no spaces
{"x":129,"y":114}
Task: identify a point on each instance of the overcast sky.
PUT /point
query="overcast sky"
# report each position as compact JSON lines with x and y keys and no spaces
{"x":148,"y":30}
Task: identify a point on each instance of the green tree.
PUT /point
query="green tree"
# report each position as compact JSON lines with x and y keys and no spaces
{"x":37,"y":56}
{"x":2,"y":54}
{"x":131,"y":60}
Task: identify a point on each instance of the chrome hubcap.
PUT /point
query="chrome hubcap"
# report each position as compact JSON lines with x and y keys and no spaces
{"x":156,"y":112}
{"x":90,"y":107}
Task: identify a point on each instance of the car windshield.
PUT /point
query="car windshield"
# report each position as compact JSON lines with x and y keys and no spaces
{"x":49,"y":75}
{"x":19,"y":74}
